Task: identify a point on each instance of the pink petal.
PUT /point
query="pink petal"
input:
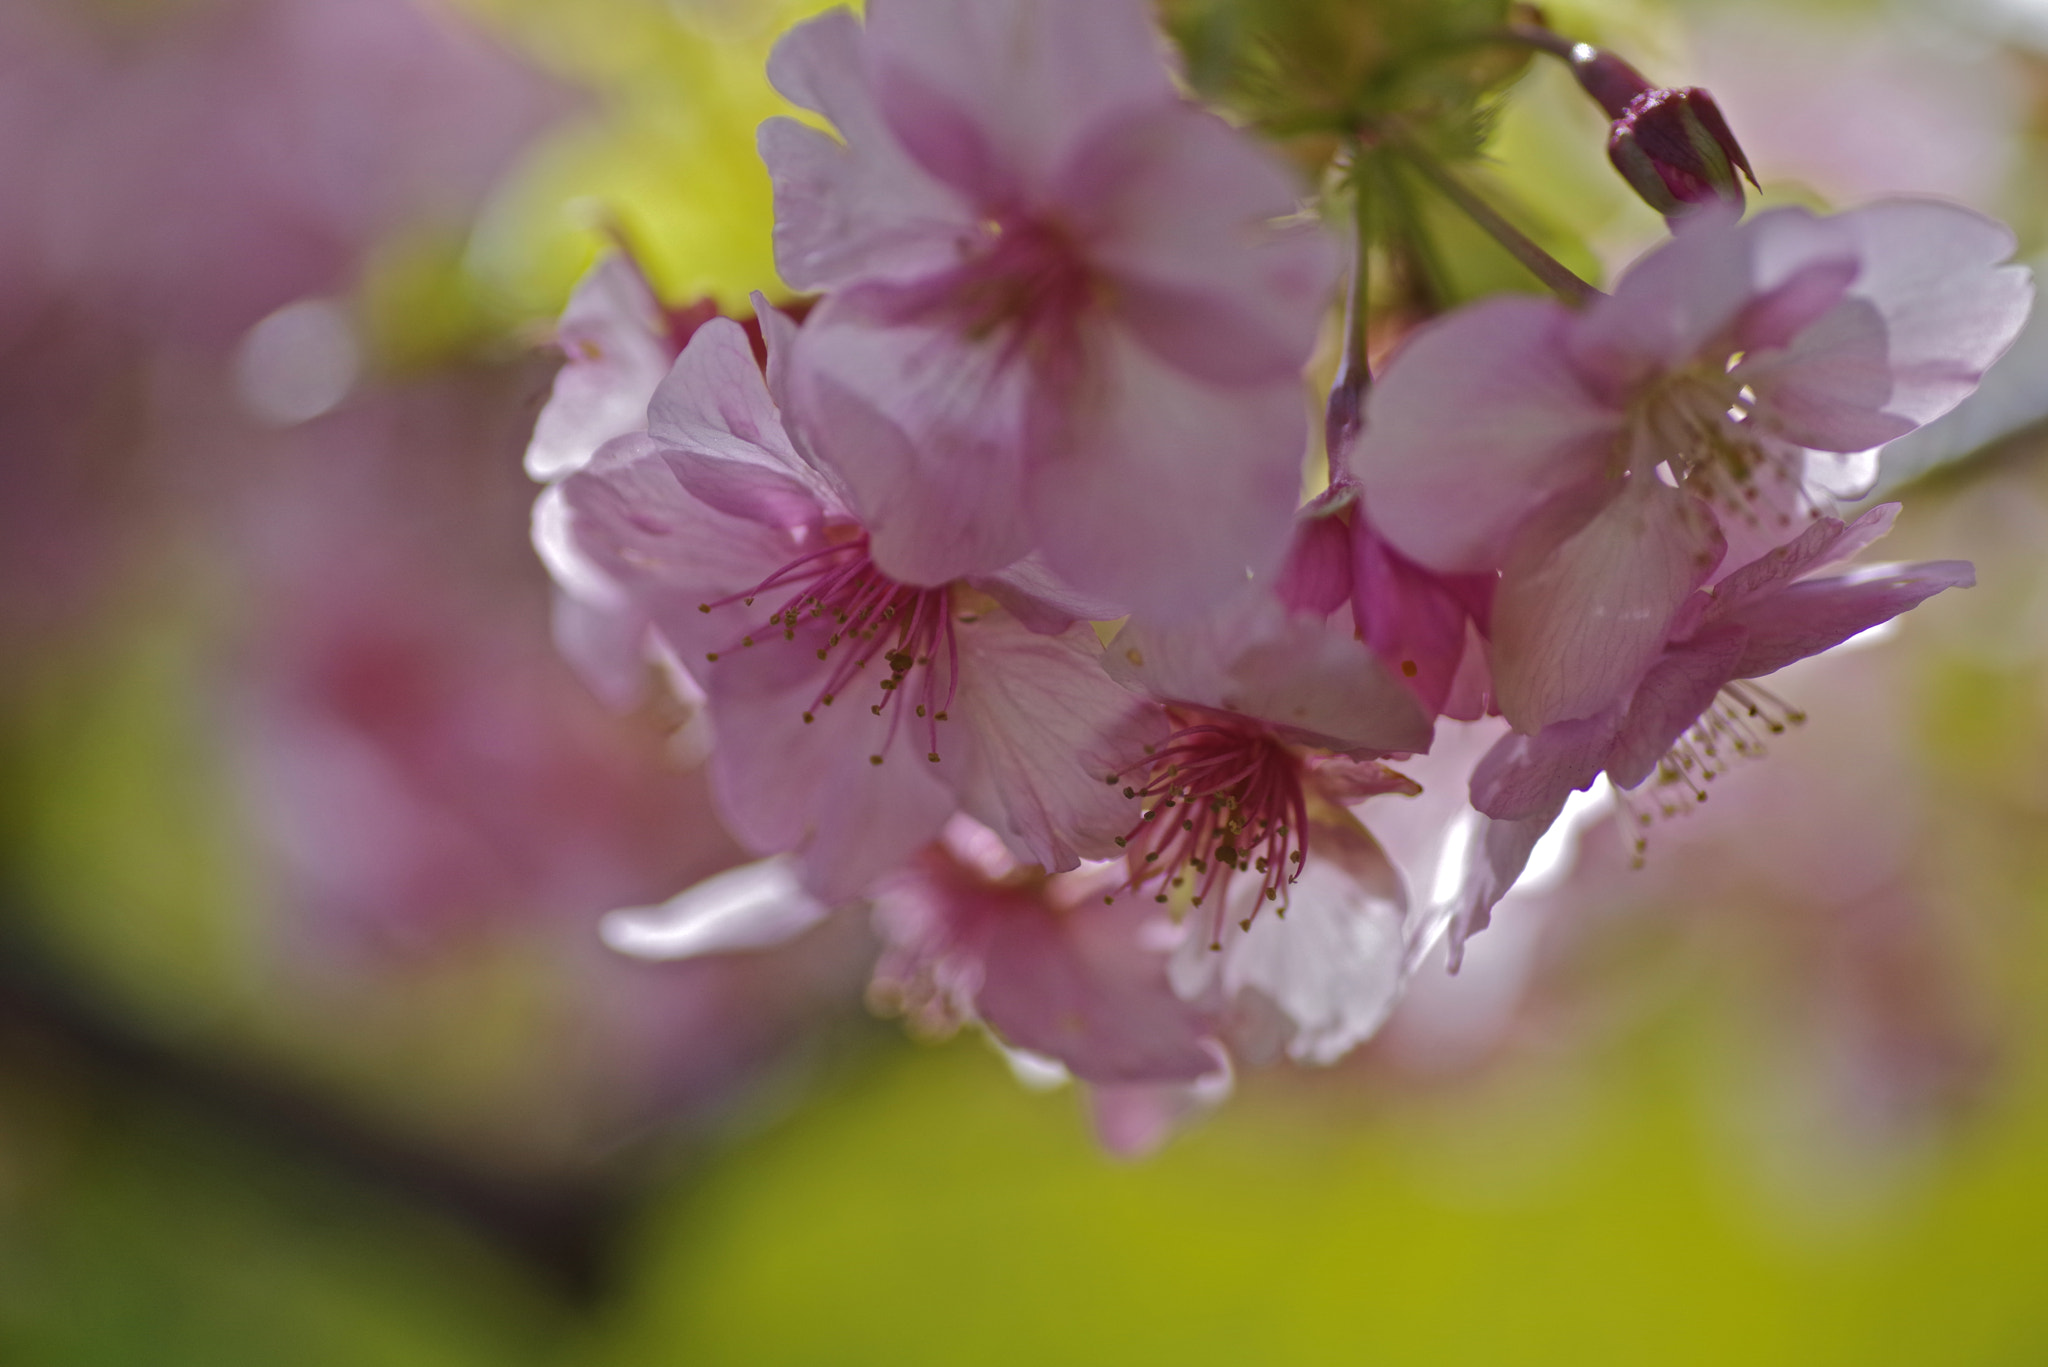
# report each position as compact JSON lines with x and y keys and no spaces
{"x":1933,"y":271}
{"x":1044,"y":962}
{"x":754,"y":906}
{"x":925,"y":430}
{"x":1414,"y":620}
{"x":1808,"y":617}
{"x":853,"y":208}
{"x":1667,"y":308}
{"x":714,"y":409}
{"x":1347,"y":782}
{"x":1830,"y":387}
{"x":618,"y":350}
{"x":1585,"y":602}
{"x":1471,"y":695}
{"x":1040,"y":599}
{"x":785,"y":786}
{"x":1478,"y":420}
{"x":778,"y":335}
{"x":1522,"y":777}
{"x":1133,"y":1122}
{"x":1929,"y":310}
{"x":605,"y":642}
{"x":1043,"y":730}
{"x":1674,"y":693}
{"x":1087,"y":985}
{"x":1316,"y":577}
{"x":1776,"y":317}
{"x":1311,"y":678}
{"x":630,"y":519}
{"x":1324,"y":686}
{"x":1176,"y":209}
{"x":1157,"y":490}
{"x":1826,"y":542}
{"x":1034,"y":77}
{"x":1497,"y":853}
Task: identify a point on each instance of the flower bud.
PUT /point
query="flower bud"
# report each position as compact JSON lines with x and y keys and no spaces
{"x":1604,"y":76}
{"x":1674,"y":147}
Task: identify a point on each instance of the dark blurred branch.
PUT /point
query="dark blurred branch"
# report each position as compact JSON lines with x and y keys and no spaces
{"x":560,"y":1231}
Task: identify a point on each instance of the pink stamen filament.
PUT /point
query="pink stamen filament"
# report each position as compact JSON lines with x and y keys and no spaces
{"x":1227,"y":798}
{"x":870,"y":615}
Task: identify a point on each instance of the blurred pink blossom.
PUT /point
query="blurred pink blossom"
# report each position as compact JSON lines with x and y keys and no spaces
{"x":1039,"y":959}
{"x":233,"y":156}
{"x":176,"y":177}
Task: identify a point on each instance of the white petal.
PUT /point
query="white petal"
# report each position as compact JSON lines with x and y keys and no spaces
{"x":754,"y":906}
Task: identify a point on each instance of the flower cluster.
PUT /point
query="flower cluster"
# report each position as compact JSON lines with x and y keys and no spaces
{"x":991,"y":573}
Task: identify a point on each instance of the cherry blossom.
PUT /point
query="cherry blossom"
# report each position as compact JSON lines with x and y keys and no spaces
{"x":1696,"y":710}
{"x":1039,"y":959}
{"x":1603,"y":460}
{"x":1059,"y":315}
{"x":1280,"y":715}
{"x":853,"y":712}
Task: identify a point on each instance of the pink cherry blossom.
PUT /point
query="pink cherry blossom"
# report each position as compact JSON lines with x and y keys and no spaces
{"x":617,"y":342}
{"x":1060,"y":315}
{"x":1279,"y":714}
{"x":1603,"y":460}
{"x":972,"y":936}
{"x":1694,"y":711}
{"x":853,"y":712}
{"x":1040,"y":960}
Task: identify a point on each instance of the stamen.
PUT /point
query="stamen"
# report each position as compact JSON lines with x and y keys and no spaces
{"x":1239,"y":789}
{"x":1700,"y":423}
{"x":1732,"y":728}
{"x":899,"y":625}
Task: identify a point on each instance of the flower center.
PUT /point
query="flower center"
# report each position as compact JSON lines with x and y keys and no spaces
{"x":1700,"y":424}
{"x":1225,"y":798}
{"x":1734,"y":727}
{"x":853,"y":615}
{"x":1025,"y":284}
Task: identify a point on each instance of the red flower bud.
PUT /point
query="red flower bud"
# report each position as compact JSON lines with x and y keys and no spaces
{"x":1674,"y":147}
{"x":1607,"y":78}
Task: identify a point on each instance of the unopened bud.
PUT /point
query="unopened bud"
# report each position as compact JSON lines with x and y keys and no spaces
{"x":1676,"y":150}
{"x":1607,"y":78}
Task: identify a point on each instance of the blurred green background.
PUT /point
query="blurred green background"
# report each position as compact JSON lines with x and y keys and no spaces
{"x":1782,"y":1096}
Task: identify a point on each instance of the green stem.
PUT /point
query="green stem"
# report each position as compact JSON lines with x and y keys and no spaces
{"x":1560,"y":278}
{"x":1540,"y":38}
